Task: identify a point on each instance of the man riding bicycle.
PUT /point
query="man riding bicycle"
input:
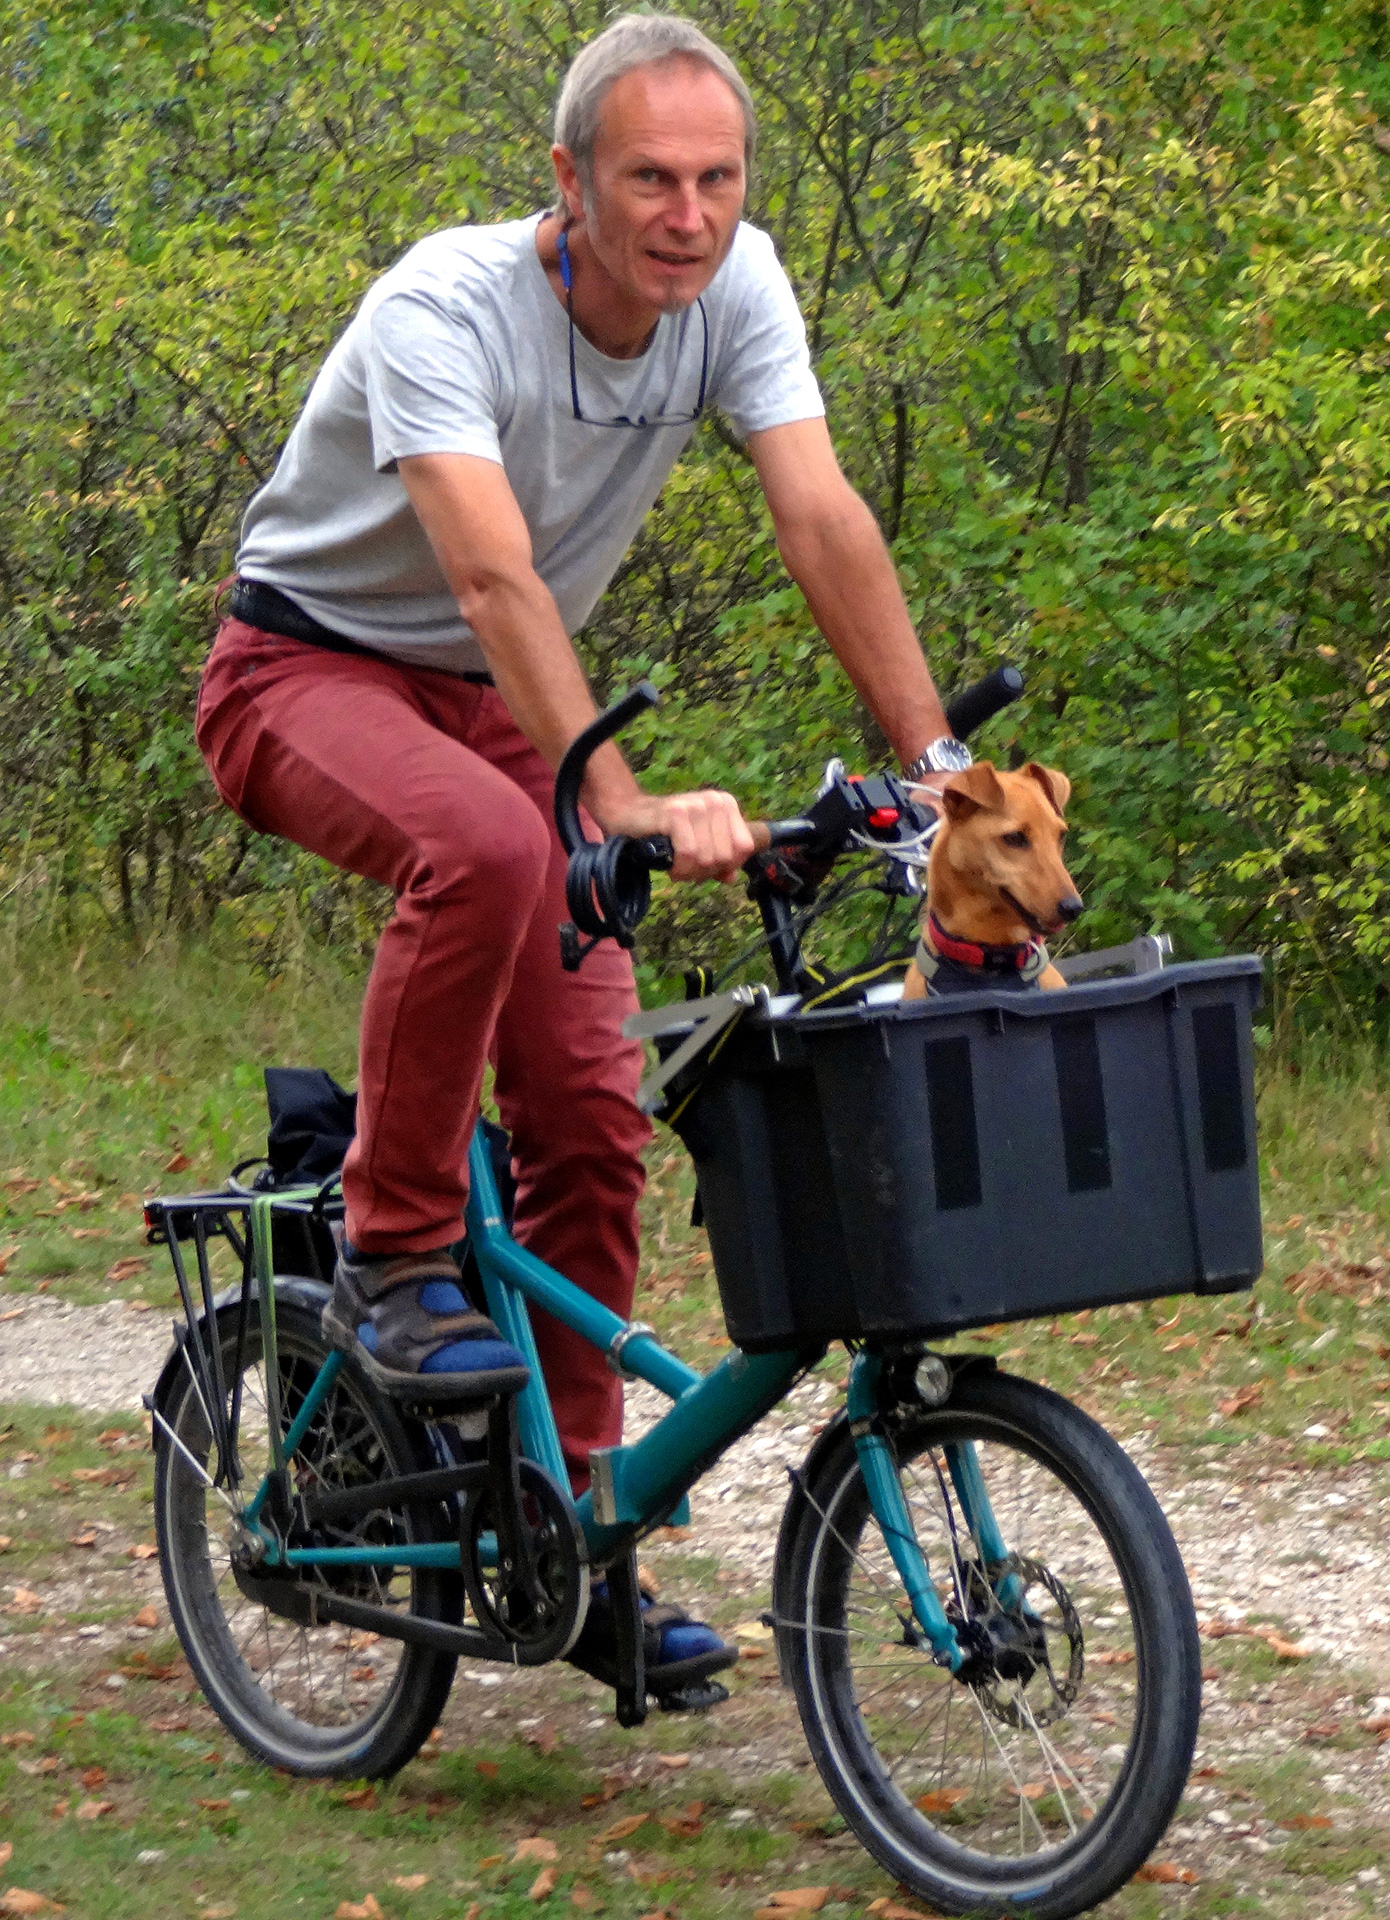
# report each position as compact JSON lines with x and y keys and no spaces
{"x":395,"y":682}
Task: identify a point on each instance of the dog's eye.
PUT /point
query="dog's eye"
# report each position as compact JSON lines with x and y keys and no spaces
{"x":1015,"y":839}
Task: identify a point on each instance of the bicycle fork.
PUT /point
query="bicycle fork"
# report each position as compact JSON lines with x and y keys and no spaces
{"x":890,"y":1509}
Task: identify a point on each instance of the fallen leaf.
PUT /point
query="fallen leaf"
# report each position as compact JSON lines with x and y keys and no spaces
{"x":147,"y":1617}
{"x":1381,"y":1724}
{"x":489,"y":1769}
{"x":887,"y":1909}
{"x":179,"y":1163}
{"x":1305,"y":1822}
{"x":582,"y":1898}
{"x":1183,"y":1341}
{"x":16,"y":1740}
{"x":1284,"y":1649}
{"x":673,"y":1762}
{"x":1242,"y":1398}
{"x":217,"y":1913}
{"x":493,"y":1860}
{"x":93,"y":1778}
{"x":799,"y":1900}
{"x":15,"y":1313}
{"x":87,"y":1538}
{"x":21,"y":1900}
{"x":543,"y":1738}
{"x":1113,"y":1657}
{"x":411,"y":1882}
{"x":623,"y":1829}
{"x":363,"y":1673}
{"x":59,"y":1810}
{"x":126,"y":1269}
{"x":359,"y":1797}
{"x":143,"y":1550}
{"x":168,"y":1723}
{"x":543,"y":1885}
{"x":1165,"y":1874}
{"x":685,"y":1826}
{"x":753,"y":1630}
{"x":943,"y":1799}
{"x":367,"y":1909}
{"x":536,"y":1848}
{"x":1209,"y":1773}
{"x":213,"y":1806}
{"x":25,"y":1601}
{"x":94,"y":1809}
{"x":752,"y":1653}
{"x":1322,"y":1730}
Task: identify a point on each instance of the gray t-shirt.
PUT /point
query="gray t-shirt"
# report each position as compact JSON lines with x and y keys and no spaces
{"x":462,"y":347}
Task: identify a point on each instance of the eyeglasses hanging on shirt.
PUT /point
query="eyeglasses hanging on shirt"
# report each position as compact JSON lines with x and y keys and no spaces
{"x":659,"y":419}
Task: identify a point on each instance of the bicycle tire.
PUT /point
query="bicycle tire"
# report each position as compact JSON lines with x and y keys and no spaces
{"x":321,"y":1715}
{"x":1078,"y":1490}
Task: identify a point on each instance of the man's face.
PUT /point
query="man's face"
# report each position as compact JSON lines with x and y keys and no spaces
{"x":669,"y":182}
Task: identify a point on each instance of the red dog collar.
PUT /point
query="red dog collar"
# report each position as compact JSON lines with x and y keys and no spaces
{"x":1027,"y":959}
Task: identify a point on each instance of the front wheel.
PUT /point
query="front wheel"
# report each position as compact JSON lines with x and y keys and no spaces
{"x":1041,"y":1779}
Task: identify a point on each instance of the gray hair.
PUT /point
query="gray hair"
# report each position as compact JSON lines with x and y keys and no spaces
{"x":637,"y":40}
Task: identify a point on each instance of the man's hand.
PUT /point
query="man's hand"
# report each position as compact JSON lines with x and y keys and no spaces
{"x":708,"y":832}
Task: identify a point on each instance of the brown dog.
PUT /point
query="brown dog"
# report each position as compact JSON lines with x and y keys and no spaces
{"x":996,"y":883}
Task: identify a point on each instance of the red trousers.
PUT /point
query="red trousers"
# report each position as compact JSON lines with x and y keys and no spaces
{"x":423,"y":781}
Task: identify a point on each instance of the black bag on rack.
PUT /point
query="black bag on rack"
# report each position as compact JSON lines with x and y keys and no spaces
{"x":312,"y":1124}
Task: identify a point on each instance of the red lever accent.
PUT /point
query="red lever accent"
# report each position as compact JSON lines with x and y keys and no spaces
{"x":884,"y":817}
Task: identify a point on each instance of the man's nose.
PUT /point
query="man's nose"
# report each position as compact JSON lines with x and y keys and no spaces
{"x":683,"y":213}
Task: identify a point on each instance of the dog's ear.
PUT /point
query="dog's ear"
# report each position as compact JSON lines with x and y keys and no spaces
{"x":1054,"y":784}
{"x":975,"y":790}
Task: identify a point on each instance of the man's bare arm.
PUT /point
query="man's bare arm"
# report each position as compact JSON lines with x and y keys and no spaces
{"x":832,"y":548}
{"x":481,"y":541}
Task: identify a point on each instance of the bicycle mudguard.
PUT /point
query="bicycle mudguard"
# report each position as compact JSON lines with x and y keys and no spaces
{"x":295,"y":1290}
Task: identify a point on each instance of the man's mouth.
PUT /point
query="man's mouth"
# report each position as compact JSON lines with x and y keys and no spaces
{"x":673,"y":259}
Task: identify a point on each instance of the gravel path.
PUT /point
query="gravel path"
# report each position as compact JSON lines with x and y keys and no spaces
{"x":1306,"y":1548}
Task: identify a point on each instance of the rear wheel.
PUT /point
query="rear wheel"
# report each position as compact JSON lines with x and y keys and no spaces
{"x":323,"y":1700}
{"x":1040,"y":1780}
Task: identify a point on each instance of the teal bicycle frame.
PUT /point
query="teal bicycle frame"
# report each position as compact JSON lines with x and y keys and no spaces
{"x":637,"y":1486}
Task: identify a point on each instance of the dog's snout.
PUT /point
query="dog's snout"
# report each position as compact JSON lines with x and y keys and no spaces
{"x":1071,"y":908}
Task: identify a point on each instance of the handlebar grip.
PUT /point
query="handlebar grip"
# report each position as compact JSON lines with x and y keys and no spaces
{"x":768,"y":834}
{"x":971,"y":708}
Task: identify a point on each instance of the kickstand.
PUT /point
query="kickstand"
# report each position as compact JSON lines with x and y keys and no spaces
{"x":625,"y":1598}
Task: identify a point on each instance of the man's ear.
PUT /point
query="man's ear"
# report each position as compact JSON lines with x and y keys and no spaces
{"x":969,"y":792}
{"x":1054,"y":784}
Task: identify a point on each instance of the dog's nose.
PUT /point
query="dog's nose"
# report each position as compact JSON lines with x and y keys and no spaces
{"x":1071,"y":908}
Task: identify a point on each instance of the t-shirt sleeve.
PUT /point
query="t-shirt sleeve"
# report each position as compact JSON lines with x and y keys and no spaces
{"x":430,"y":386}
{"x":766,"y":380}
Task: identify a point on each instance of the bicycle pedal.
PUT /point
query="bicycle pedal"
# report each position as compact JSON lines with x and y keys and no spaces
{"x":440,"y":1393}
{"x":697,"y":1697}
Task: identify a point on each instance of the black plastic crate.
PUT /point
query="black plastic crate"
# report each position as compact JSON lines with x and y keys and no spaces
{"x":911,"y":1170}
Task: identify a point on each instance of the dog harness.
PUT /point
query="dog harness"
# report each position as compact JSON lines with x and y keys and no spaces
{"x":949,"y":965}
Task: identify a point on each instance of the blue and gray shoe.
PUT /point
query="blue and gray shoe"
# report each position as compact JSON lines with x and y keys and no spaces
{"x":406,"y":1320}
{"x":680,"y":1655}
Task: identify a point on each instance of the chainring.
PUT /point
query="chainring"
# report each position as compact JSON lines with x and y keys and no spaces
{"x":542,"y":1613}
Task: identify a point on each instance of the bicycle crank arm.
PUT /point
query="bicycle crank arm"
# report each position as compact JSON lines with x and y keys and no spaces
{"x":406,"y":1489}
{"x":313,"y":1607}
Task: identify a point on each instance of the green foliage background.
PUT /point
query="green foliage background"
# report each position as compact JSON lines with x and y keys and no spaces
{"x":1098,"y":296}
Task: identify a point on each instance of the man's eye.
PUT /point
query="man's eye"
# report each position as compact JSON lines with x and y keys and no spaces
{"x":1015,"y":839}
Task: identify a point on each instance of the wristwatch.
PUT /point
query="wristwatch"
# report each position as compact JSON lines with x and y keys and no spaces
{"x":945,"y":754}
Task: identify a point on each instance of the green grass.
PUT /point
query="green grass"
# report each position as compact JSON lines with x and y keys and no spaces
{"x":128,"y":1073}
{"x":115,"y":1067}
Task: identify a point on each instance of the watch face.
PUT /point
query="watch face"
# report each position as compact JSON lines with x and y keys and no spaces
{"x":948,"y":756}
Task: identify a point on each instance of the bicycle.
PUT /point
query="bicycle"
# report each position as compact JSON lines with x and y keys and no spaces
{"x":976,"y":1600}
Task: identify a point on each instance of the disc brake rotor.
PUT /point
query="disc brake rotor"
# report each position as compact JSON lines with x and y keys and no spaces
{"x":1009,"y":1649}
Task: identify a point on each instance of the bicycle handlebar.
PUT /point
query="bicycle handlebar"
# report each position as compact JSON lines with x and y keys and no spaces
{"x":608,"y":885}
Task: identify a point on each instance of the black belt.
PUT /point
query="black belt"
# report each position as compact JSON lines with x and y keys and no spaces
{"x":261,"y":605}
